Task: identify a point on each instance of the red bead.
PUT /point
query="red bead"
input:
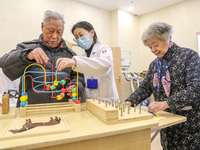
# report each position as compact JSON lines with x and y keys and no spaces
{"x":48,"y":87}
{"x":68,"y":89}
{"x":77,"y":101}
{"x":63,"y":90}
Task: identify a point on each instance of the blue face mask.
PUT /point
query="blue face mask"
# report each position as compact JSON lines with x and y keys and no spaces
{"x":84,"y":42}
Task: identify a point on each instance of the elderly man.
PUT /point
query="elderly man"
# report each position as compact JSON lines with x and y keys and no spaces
{"x":47,"y":49}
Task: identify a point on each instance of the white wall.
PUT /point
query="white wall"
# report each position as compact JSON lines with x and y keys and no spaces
{"x":128,"y":37}
{"x":21,"y":20}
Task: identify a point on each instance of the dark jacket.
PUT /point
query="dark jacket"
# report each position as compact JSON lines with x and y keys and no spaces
{"x":14,"y":63}
{"x":184,"y":70}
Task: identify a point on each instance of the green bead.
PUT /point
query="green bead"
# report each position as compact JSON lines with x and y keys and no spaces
{"x":52,"y":87}
{"x":73,"y":90}
{"x":62,"y":82}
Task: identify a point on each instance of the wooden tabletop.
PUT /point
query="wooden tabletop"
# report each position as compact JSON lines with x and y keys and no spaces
{"x":170,"y":119}
{"x":83,"y":126}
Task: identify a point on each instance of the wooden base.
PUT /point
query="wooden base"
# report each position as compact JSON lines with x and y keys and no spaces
{"x":41,"y":130}
{"x":31,"y":109}
{"x":112,"y":115}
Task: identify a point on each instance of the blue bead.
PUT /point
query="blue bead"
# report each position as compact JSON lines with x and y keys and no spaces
{"x":23,"y":104}
{"x":73,"y":98}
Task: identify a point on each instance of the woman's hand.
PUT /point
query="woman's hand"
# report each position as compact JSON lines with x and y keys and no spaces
{"x":128,"y":103}
{"x":65,"y":62}
{"x":158,"y":106}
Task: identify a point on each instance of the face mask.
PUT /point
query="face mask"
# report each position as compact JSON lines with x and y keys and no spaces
{"x":84,"y":42}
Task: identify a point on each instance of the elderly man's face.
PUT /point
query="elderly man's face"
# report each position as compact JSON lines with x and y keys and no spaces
{"x":158,"y":47}
{"x":52,"y":32}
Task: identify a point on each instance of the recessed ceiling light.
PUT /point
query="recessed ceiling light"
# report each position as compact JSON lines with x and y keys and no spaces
{"x":131,"y":8}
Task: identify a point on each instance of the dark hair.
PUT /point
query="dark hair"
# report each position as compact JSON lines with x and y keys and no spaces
{"x":87,"y":26}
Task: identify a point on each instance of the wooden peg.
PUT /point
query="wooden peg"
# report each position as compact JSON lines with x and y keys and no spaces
{"x":134,"y":107}
{"x":128,"y":109}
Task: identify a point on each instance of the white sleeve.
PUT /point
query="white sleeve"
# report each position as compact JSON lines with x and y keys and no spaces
{"x":96,"y":66}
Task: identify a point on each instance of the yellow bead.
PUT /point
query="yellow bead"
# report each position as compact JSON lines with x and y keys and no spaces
{"x":55,"y":83}
{"x":23,"y":98}
{"x":73,"y":94}
{"x":59,"y":97}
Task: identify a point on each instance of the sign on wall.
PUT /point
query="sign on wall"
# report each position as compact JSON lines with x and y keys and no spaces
{"x":125,"y":58}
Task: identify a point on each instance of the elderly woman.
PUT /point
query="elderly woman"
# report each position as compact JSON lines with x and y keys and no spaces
{"x":174,"y":79}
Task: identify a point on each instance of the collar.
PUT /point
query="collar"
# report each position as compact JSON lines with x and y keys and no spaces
{"x":170,"y":52}
{"x":88,"y":52}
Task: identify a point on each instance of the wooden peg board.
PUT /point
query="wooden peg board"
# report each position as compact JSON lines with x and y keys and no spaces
{"x":41,"y":130}
{"x":31,"y":109}
{"x":112,"y":115}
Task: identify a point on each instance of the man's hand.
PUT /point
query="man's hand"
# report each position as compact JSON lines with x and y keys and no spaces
{"x":65,"y":62}
{"x":158,"y":106}
{"x":38,"y":54}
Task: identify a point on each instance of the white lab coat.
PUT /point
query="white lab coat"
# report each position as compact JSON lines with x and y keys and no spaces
{"x":99,"y":66}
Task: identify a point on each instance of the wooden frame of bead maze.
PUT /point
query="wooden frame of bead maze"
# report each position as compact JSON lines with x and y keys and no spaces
{"x":112,"y":113}
{"x":30,"y":109}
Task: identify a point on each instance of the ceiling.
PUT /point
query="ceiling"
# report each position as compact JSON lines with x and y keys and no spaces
{"x":140,"y":7}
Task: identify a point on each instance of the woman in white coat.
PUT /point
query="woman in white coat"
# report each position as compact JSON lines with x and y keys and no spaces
{"x":96,"y":63}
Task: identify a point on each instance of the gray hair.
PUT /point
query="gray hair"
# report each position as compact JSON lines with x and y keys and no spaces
{"x":160,"y":30}
{"x":48,"y":14}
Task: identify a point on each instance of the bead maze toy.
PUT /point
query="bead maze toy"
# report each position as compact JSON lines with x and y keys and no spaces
{"x":112,"y":113}
{"x":49,"y":87}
